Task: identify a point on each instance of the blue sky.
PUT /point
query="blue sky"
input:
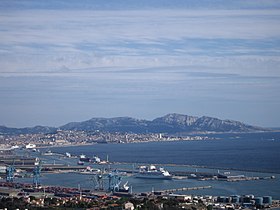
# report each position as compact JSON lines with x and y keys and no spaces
{"x":63,"y":61}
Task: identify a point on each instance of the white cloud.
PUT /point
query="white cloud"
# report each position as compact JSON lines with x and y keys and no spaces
{"x":82,"y":39}
{"x":141,"y":55}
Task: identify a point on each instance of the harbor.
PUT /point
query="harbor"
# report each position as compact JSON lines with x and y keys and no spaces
{"x":65,"y":163}
{"x":73,"y":178}
{"x":95,"y":169}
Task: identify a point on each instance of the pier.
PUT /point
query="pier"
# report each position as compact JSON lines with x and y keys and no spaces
{"x":184,"y":189}
{"x":51,"y":167}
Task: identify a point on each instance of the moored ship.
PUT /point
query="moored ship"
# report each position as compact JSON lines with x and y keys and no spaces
{"x":84,"y":158}
{"x":152,"y":172}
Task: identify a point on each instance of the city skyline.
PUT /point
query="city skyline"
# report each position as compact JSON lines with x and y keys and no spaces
{"x":64,"y":61}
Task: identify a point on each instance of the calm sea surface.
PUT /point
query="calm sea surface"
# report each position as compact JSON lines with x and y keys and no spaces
{"x":252,"y":154}
{"x":260,"y":152}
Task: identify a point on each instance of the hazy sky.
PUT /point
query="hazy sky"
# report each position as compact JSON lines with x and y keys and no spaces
{"x":68,"y":60}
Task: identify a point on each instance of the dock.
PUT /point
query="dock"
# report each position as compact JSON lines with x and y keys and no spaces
{"x":185,"y":189}
{"x":47,"y":167}
{"x":168,"y":191}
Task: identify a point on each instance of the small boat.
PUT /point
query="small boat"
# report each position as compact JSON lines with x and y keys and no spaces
{"x":48,"y":152}
{"x":80,"y":162}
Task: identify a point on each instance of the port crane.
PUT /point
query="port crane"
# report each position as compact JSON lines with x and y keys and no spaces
{"x":10,"y":173}
{"x":36,"y":174}
{"x":98,"y":181}
{"x":112,"y":180}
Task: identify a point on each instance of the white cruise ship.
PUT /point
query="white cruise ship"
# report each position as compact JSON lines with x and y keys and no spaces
{"x":152,"y":172}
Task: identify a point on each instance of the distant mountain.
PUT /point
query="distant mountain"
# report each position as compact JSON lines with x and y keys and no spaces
{"x":183,"y":123}
{"x":31,"y":130}
{"x":118,"y":124}
{"x":170,"y":123}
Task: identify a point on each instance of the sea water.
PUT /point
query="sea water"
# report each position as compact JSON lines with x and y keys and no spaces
{"x":259,"y":152}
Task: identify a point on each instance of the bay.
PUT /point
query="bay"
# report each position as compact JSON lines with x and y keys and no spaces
{"x":258,"y":152}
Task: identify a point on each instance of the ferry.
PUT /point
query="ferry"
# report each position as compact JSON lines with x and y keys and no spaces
{"x":90,"y":171}
{"x":151,"y":172}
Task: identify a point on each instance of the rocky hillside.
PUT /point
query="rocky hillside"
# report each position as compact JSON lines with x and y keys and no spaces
{"x":170,"y":123}
{"x":118,"y":124}
{"x":31,"y":130}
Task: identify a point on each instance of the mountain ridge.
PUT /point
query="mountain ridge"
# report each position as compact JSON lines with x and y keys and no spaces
{"x":170,"y":123}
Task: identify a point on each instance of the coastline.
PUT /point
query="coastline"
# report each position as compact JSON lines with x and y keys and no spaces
{"x":64,"y":145}
{"x":198,"y":136}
